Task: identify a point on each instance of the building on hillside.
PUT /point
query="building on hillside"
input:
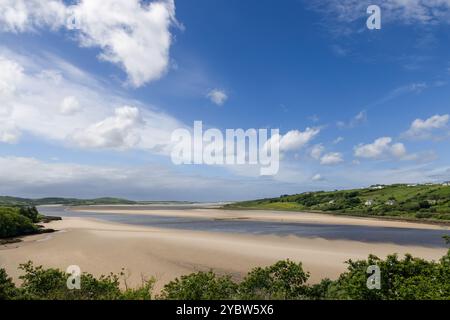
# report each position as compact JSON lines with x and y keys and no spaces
{"x":368,"y":202}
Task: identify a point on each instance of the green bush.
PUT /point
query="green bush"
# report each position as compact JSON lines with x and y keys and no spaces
{"x":51,"y":284}
{"x":13,"y":224}
{"x":401,"y":279}
{"x":200,"y":286}
{"x":408,"y":278}
{"x":7,"y":288}
{"x":30,"y":212}
{"x":283,"y":280}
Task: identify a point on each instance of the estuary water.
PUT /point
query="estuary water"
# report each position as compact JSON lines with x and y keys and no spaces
{"x":400,"y":236}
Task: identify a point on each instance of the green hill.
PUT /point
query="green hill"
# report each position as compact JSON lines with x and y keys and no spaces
{"x":427,"y":201}
{"x":14,"y":201}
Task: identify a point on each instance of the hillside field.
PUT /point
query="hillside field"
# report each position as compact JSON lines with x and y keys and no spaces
{"x":426,"y":202}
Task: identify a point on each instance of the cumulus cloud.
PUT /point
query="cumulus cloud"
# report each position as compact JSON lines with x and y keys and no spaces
{"x":423,"y":129}
{"x":317,"y":177}
{"x":217,"y":96}
{"x":47,"y":100}
{"x":292,"y":141}
{"x":30,"y":15}
{"x":11,"y":73}
{"x":118,"y":131}
{"x":9,"y":133}
{"x":380,"y":148}
{"x":70,"y":105}
{"x":331,"y":158}
{"x":295,"y":139}
{"x":132,"y":34}
{"x":316,"y":151}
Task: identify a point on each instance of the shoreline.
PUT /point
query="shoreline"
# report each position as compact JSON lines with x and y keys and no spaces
{"x":343,"y":214}
{"x":263,"y":215}
{"x":101,"y":247}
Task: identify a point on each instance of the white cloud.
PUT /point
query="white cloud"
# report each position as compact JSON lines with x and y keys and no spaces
{"x":29,"y":15}
{"x":316,"y":151}
{"x":338,"y":140}
{"x":295,"y":139}
{"x":357,"y":120}
{"x":118,"y":131}
{"x":39,"y":106}
{"x":317,"y":177}
{"x":380,"y":148}
{"x":132,"y":34}
{"x":37,"y":178}
{"x":331,"y":158}
{"x":9,"y":133}
{"x":344,"y":13}
{"x":398,"y":150}
{"x":217,"y":96}
{"x":423,"y":129}
{"x":70,"y":105}
{"x":292,"y":141}
{"x":11,"y":73}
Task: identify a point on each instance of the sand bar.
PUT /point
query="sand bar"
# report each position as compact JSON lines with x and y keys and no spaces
{"x":260,"y":215}
{"x":101,"y":247}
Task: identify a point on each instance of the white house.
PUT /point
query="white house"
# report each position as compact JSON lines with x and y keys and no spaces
{"x":390,"y":202}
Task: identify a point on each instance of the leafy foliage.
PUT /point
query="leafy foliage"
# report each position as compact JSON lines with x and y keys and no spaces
{"x":51,"y":284}
{"x":283,"y":280}
{"x":30,"y":212}
{"x":401,"y":279}
{"x":13,"y":223}
{"x":200,"y":286}
{"x":14,"y":201}
{"x":430,"y":202}
{"x":7,"y":288}
{"x":408,"y":278}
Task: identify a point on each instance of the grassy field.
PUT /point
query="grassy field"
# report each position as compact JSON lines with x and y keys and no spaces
{"x":424,"y":202}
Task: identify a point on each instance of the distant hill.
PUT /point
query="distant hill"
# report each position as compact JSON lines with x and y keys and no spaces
{"x":14,"y":201}
{"x":421,"y":201}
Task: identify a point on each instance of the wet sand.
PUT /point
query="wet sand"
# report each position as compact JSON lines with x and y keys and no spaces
{"x":257,"y":215}
{"x":101,"y":247}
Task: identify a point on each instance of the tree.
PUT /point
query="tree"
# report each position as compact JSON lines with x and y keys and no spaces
{"x":30,"y":212}
{"x":200,"y":286}
{"x":8,"y":290}
{"x":283,"y":280}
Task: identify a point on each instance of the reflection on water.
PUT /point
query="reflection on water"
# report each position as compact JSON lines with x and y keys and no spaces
{"x":402,"y":236}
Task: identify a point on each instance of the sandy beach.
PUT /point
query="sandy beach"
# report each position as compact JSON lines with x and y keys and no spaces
{"x":260,"y":215}
{"x":101,"y":247}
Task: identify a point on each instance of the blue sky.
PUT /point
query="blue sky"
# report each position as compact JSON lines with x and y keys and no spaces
{"x":88,"y":112}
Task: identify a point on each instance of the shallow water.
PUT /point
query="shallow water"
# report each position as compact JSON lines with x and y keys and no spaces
{"x":400,"y":236}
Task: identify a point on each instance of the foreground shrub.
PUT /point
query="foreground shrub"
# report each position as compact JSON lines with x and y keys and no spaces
{"x":7,"y":288}
{"x":407,"y":278}
{"x":283,"y":280}
{"x":13,"y":224}
{"x":51,"y":284}
{"x":200,"y":286}
{"x":30,"y":212}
